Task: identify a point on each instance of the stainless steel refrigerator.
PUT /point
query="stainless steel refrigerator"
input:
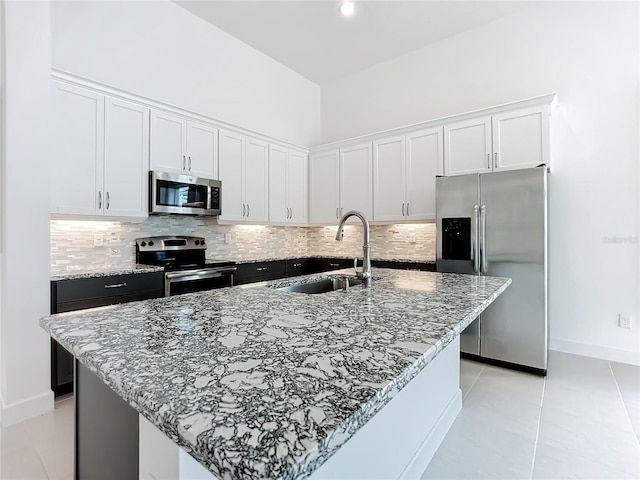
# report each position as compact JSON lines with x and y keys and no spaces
{"x":496,"y":224}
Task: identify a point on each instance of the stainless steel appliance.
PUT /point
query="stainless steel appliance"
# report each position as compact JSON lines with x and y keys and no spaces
{"x":184,"y":194}
{"x":496,"y":224}
{"x":185,"y":266}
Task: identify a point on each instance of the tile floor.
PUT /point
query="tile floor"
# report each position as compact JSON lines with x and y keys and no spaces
{"x":582,"y":421}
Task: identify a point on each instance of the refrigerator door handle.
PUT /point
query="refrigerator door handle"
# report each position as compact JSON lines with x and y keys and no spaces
{"x":483,"y":239}
{"x":475,"y":255}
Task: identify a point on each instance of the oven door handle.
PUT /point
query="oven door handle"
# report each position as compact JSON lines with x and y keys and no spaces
{"x":195,"y":274}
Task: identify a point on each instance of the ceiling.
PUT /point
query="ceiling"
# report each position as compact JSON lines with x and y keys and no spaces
{"x":313,"y":39}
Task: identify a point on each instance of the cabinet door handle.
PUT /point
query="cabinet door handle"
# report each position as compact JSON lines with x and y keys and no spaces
{"x":407,"y":209}
{"x":244,"y":210}
{"x":341,"y":211}
{"x":108,"y":201}
{"x":287,"y":214}
{"x":403,"y":209}
{"x":248,"y":210}
{"x":184,"y":162}
{"x":189,"y":162}
{"x":488,"y":160}
{"x":261,"y":269}
{"x":337,"y":213}
{"x":116,"y":285}
{"x":99,"y":199}
{"x":495,"y":160}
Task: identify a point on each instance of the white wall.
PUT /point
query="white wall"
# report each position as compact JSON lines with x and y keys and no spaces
{"x":588,"y":53}
{"x":24,"y":263}
{"x":162,"y":51}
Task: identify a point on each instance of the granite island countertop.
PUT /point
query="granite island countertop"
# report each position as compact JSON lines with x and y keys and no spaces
{"x":256,"y":383}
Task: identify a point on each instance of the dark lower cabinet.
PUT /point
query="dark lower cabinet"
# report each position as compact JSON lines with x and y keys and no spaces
{"x":259,"y":272}
{"x":107,"y":431}
{"x":80,"y":293}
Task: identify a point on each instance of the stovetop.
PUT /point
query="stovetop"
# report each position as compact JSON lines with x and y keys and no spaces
{"x":176,"y":253}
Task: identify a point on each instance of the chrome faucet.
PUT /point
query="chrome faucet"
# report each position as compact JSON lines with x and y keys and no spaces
{"x":365,"y":274}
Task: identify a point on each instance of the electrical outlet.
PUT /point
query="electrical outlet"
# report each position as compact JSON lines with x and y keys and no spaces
{"x":624,"y":321}
{"x":412,"y":237}
{"x":227,"y":238}
{"x":98,"y":240}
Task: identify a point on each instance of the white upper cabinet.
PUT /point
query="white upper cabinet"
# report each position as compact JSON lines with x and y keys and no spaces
{"x":256,"y":191}
{"x":126,"y":159}
{"x":78,"y":150}
{"x":244,"y":176}
{"x":404,"y":175}
{"x":202,"y":150}
{"x":424,"y":161}
{"x":324,"y":187}
{"x":182,"y":146}
{"x":467,"y":146}
{"x":508,"y":140}
{"x":297,"y":187}
{"x":389,"y":179}
{"x":287,"y":185}
{"x":356,"y":184}
{"x":521,"y":138}
{"x":231,"y":158}
{"x":101,"y":155}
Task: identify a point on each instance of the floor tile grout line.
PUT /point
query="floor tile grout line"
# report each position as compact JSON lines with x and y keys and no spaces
{"x":535,"y":444}
{"x":624,"y":404}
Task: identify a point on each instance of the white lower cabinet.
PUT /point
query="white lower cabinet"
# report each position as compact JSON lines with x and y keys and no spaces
{"x":287,"y":186}
{"x":244,"y":175}
{"x":404,"y":176}
{"x":508,"y":140}
{"x":100,"y":155}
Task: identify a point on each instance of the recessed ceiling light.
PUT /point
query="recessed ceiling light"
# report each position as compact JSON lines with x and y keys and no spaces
{"x":347,"y":9}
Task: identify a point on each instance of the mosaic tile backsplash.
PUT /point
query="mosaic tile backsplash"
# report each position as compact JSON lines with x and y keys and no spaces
{"x":73,"y":242}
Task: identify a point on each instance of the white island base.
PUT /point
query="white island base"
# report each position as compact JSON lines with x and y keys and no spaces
{"x":397,"y":443}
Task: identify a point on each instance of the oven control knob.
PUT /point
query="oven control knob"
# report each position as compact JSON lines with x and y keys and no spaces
{"x":151,"y":243}
{"x":202,"y":242}
{"x":197,"y":242}
{"x":143,"y":244}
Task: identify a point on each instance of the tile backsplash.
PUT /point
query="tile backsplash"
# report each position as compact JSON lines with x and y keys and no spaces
{"x":73,"y":243}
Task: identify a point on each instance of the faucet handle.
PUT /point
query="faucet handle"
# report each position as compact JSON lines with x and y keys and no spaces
{"x":355,"y":265}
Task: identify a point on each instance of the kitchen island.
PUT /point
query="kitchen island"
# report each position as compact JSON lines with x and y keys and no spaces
{"x":254,"y":382}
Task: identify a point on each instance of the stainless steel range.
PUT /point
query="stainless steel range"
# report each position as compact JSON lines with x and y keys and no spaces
{"x":185,"y":265}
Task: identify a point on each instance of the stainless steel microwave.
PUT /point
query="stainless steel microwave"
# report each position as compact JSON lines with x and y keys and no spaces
{"x":183,"y":194}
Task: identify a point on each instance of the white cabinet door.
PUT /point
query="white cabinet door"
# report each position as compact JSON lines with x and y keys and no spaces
{"x":467,"y":147}
{"x":424,"y":161}
{"x":297,"y":187}
{"x":521,"y":138}
{"x":77,"y":153}
{"x":324,"y":187}
{"x":256,"y":178}
{"x":389,"y":199}
{"x":202,"y":150}
{"x":126,"y":159}
{"x":355,"y":180}
{"x":168,"y":142}
{"x":231,"y":165}
{"x":278,"y":206}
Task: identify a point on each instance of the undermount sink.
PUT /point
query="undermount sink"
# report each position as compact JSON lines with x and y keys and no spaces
{"x":323,"y":285}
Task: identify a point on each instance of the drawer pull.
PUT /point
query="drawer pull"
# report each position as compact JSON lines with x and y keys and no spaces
{"x":297,"y":264}
{"x":261,"y":269}
{"x":334,"y":264}
{"x":116,"y":285}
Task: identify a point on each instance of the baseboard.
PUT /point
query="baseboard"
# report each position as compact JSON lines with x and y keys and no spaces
{"x":26,"y":409}
{"x":595,"y":351}
{"x":432,"y":442}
